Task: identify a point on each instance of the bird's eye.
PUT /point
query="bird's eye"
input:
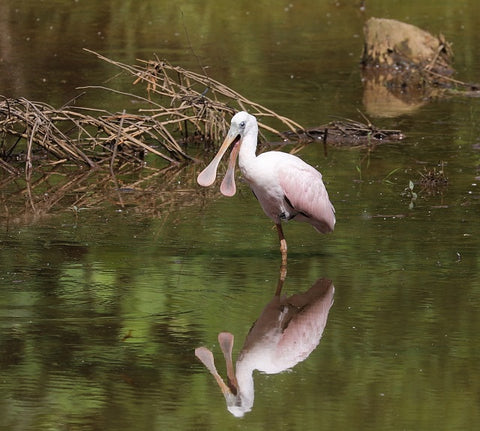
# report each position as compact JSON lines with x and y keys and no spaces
{"x":242,"y":124}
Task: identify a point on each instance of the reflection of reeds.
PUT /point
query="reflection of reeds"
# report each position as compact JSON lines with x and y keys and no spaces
{"x":180,"y":107}
{"x":154,"y":192}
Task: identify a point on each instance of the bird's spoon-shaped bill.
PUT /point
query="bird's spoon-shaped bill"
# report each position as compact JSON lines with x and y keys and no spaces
{"x":207,"y":176}
{"x":228,"y":188}
{"x":225,"y":339}
{"x":206,"y":357}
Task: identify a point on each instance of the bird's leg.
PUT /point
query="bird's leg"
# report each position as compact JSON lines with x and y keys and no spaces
{"x":281,"y":280}
{"x":283,"y":244}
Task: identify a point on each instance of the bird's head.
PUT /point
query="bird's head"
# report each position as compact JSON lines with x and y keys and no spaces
{"x":242,"y":124}
{"x":230,"y":390}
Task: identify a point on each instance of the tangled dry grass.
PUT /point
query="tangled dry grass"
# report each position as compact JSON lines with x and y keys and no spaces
{"x":44,"y":150}
{"x":180,"y":107}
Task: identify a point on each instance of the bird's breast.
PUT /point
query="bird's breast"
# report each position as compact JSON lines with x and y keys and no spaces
{"x":271,"y":198}
{"x":261,"y":174}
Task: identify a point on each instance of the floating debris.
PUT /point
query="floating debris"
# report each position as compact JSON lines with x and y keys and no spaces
{"x":345,"y":132}
{"x":433,"y":180}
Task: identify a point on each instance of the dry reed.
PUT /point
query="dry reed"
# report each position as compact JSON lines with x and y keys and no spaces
{"x":179,"y":107}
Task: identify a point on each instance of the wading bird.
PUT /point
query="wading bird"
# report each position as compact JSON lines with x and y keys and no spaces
{"x":286,"y":187}
{"x":285,"y":333}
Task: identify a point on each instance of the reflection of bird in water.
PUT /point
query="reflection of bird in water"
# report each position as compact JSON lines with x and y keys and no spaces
{"x":286,"y":332}
{"x":286,"y":187}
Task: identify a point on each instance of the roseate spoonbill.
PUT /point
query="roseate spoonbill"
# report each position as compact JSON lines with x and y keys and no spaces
{"x":286,"y":332}
{"x":286,"y":187}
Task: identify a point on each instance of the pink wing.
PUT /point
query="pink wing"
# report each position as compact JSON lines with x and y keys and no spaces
{"x":306,"y":327}
{"x":304,"y":189}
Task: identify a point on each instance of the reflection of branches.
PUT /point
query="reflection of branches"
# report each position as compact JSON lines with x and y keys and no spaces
{"x":151,"y":192}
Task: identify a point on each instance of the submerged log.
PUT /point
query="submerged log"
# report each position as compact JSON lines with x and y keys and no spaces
{"x":396,"y":45}
{"x":405,"y":66}
{"x":344,"y":133}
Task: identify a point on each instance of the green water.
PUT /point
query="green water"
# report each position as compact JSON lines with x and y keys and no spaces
{"x":103,"y":304}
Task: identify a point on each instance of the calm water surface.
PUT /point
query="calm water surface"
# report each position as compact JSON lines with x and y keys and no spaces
{"x":103,"y":305}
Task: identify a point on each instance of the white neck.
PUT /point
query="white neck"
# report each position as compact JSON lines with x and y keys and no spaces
{"x":244,"y":375}
{"x":248,"y":149}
